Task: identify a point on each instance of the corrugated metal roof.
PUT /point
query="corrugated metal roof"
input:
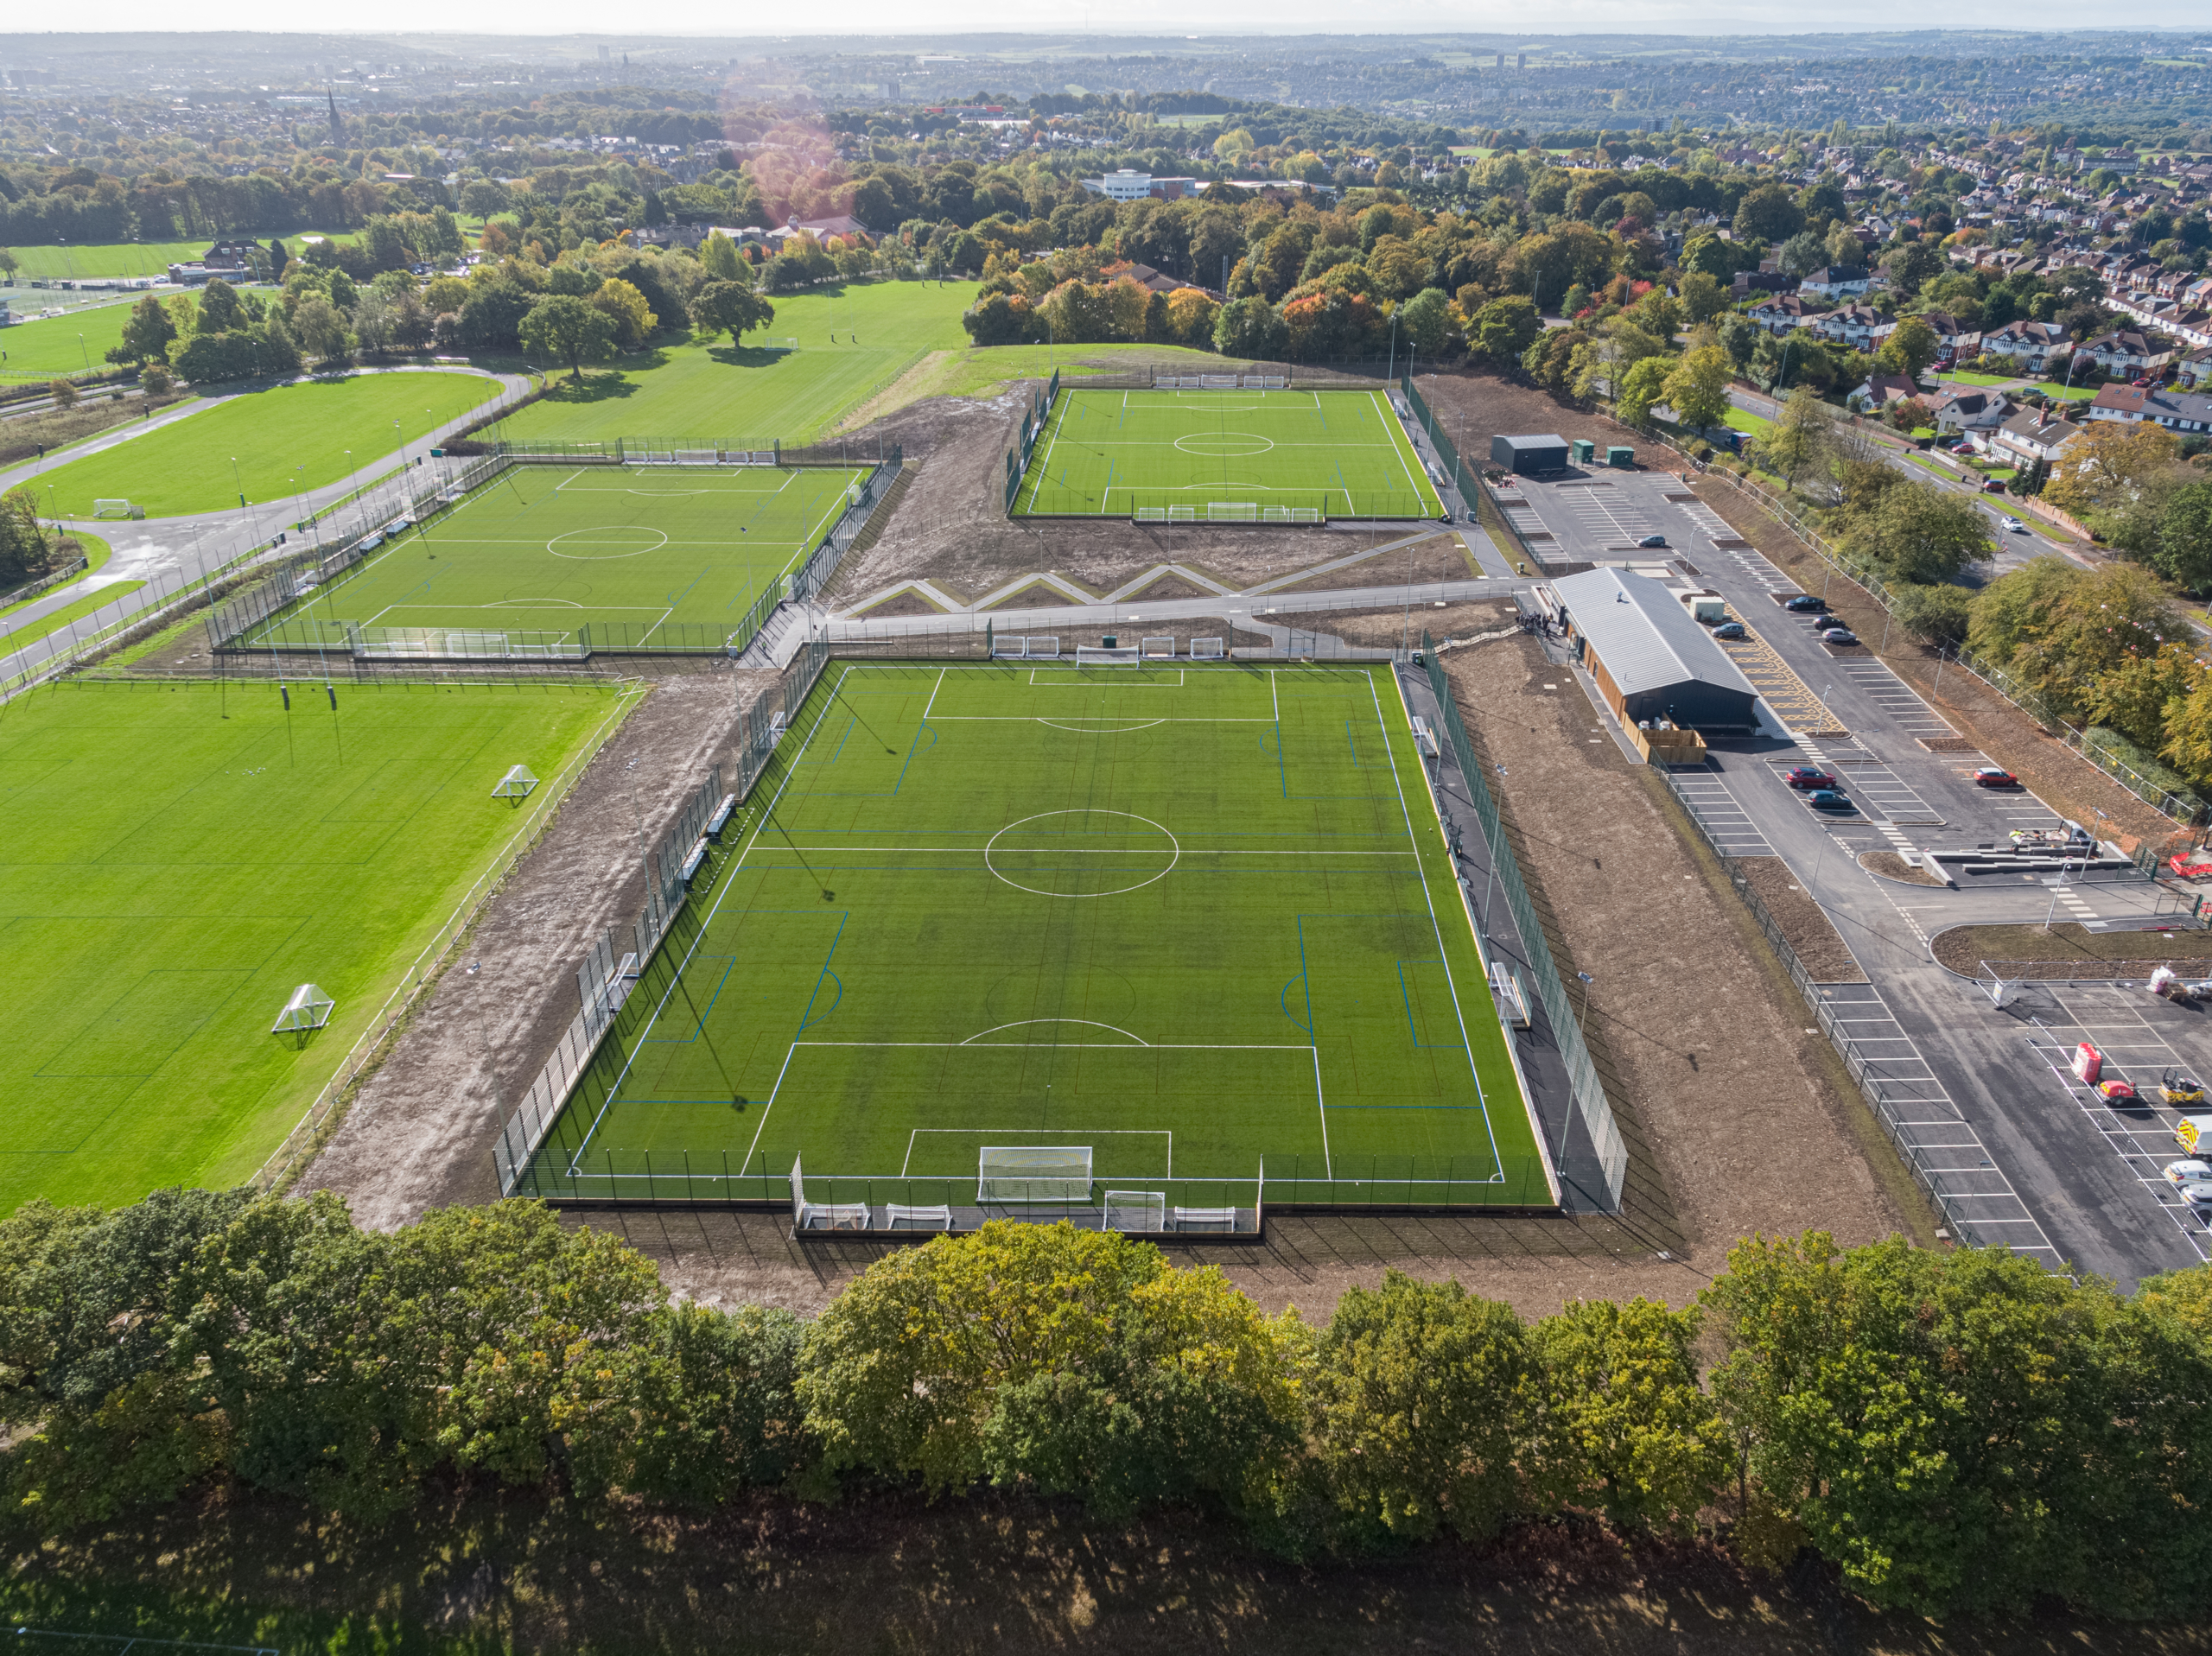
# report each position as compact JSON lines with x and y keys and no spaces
{"x":1643,"y":633}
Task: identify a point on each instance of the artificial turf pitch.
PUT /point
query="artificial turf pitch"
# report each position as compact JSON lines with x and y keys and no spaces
{"x":1126,"y":453}
{"x":1188,"y":917}
{"x":181,"y":857}
{"x":645,"y":556}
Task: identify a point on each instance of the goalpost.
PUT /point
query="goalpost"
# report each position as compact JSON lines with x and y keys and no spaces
{"x":117,"y":509}
{"x":1099,"y":656}
{"x":1208,"y":649}
{"x":1139,"y":1210}
{"x":1032,"y":1173}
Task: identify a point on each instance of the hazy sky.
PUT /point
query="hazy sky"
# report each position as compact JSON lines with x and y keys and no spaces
{"x":1178,"y":17}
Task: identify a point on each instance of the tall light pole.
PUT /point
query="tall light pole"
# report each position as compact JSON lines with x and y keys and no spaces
{"x":1582,"y":1017}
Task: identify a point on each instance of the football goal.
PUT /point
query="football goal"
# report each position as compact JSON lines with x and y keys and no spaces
{"x":1209,"y":649}
{"x":117,"y":509}
{"x":1160,"y":649}
{"x":1135,"y":1210}
{"x":309,"y":1009}
{"x":1100,"y":656}
{"x":516,"y":784}
{"x":1033,"y":1173}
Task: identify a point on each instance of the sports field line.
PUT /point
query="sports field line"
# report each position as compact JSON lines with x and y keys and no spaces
{"x":1078,"y":851}
{"x":1167,"y":1133}
{"x":1389,"y":418}
{"x":722,"y":891}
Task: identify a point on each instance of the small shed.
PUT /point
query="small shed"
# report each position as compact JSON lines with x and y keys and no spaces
{"x":1531,"y":456}
{"x":1651,"y":660}
{"x":1621,"y":456}
{"x":1584,"y":451}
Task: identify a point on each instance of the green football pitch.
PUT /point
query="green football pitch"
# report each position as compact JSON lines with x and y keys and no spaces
{"x":1186,"y":917}
{"x":181,"y":857}
{"x":644,"y":556}
{"x":1234,"y":456}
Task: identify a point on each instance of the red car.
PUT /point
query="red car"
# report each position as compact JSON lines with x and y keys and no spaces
{"x":1804,"y":776}
{"x":1990,"y":776}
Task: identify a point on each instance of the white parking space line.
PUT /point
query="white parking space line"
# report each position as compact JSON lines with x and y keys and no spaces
{"x":1937,"y":1139}
{"x":2134,"y":1052}
{"x":1728,"y":821}
{"x":1598,"y":516}
{"x":1889,"y":793}
{"x":1898,"y":701}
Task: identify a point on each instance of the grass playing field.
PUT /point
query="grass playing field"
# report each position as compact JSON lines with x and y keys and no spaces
{"x":1187,"y":916}
{"x":1224,"y":454}
{"x":745,"y":391}
{"x":59,"y":345}
{"x":182,"y":857}
{"x":645,"y":556}
{"x":286,"y":439}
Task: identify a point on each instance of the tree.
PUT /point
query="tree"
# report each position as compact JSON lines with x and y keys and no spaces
{"x":1426,"y":320}
{"x":147,"y":333}
{"x":62,"y":393}
{"x":9,"y":264}
{"x":1797,"y":434}
{"x":624,"y":307}
{"x":1698,"y":388}
{"x":1915,"y":264}
{"x":1622,"y":1424}
{"x":480,"y":198}
{"x":1703,"y":297}
{"x":278,"y":353}
{"x":155,"y":380}
{"x":719,"y":254}
{"x":1912,"y":344}
{"x":1505,"y":329}
{"x":1936,"y":614}
{"x":1419,"y":1397}
{"x":2105,"y":466}
{"x":24,"y":546}
{"x":1919,"y":531}
{"x":729,"y":307}
{"x":279,"y":257}
{"x":1803,"y":254}
{"x":2186,"y":536}
{"x":320,"y":329}
{"x":1769,"y":213}
{"x":1643,"y":384}
{"x":220,"y":310}
{"x":1249,"y":328}
{"x":568,"y":329}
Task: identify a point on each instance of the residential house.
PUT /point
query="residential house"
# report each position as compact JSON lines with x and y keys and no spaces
{"x":1856,"y":326}
{"x":1882,"y":390}
{"x":2186,"y":412}
{"x":1781,"y":312}
{"x":1838,"y":282}
{"x":1973,"y":410}
{"x":2029,"y":345}
{"x":2033,"y":435}
{"x":1747,"y":282}
{"x":2195,"y":370}
{"x":2122,"y":402}
{"x":2123,"y":352}
{"x":1146,"y":277}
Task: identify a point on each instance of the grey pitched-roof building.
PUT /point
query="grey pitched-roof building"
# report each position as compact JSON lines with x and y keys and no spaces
{"x":1650,"y":659}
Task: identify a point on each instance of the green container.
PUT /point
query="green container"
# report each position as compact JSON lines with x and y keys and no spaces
{"x":1623,"y":458}
{"x":1584,"y":451}
{"x":1107,"y":641}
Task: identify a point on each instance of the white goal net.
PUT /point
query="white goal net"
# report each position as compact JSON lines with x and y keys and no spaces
{"x":1160,"y":649}
{"x":1033,"y":1173}
{"x":1209,"y":649}
{"x":117,"y":509}
{"x":1099,"y":656}
{"x":1135,"y":1210}
{"x":1232,"y":511}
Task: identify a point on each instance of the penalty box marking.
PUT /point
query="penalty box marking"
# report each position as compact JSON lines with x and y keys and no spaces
{"x":1321,"y":1100}
{"x":1167,"y":1133}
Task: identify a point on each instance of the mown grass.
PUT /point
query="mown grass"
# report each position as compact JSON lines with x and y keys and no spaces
{"x":184,"y":856}
{"x":54,"y":347}
{"x":285,"y":440}
{"x":16,"y":636}
{"x":854,"y":342}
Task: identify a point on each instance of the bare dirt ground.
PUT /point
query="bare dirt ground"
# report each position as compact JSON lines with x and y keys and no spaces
{"x":952,"y":528}
{"x":2061,"y":777}
{"x":1890,"y":865}
{"x":2069,"y":950}
{"x":1812,"y":936}
{"x":1434,"y":558}
{"x":1483,"y":405}
{"x":1729,"y":1094}
{"x":418,"y":1134}
{"x":1383,"y":629}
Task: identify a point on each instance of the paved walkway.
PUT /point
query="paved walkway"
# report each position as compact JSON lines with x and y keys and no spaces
{"x":170,"y":553}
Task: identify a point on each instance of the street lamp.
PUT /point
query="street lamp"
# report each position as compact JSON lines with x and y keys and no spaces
{"x":84,"y":353}
{"x":1583,"y":1016}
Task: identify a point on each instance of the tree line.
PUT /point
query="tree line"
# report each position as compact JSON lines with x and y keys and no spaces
{"x":1956,"y":1432}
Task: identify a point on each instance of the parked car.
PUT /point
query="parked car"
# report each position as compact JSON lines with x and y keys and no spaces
{"x":1805,"y":776}
{"x":1838,"y":636}
{"x":1828,"y":799}
{"x":2193,"y":1179}
{"x":1651,"y":540}
{"x":2011,"y":526}
{"x":1990,"y":776}
{"x":1806,"y":604}
{"x":1992,"y":485}
{"x":1732,"y":630}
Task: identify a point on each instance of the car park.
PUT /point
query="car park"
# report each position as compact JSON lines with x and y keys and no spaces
{"x":1732,"y":630}
{"x":1828,"y":799}
{"x":1805,"y":603}
{"x":1991,"y":776}
{"x":1806,"y":775}
{"x":1838,"y":636}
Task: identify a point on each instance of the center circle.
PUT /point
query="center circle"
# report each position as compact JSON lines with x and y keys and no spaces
{"x":610,"y":541}
{"x":1081,"y":853}
{"x":1225,"y":445}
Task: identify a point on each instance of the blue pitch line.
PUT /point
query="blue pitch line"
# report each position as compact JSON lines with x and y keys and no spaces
{"x":1406,"y":995}
{"x":807,"y":1017}
{"x":699,"y":1026}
